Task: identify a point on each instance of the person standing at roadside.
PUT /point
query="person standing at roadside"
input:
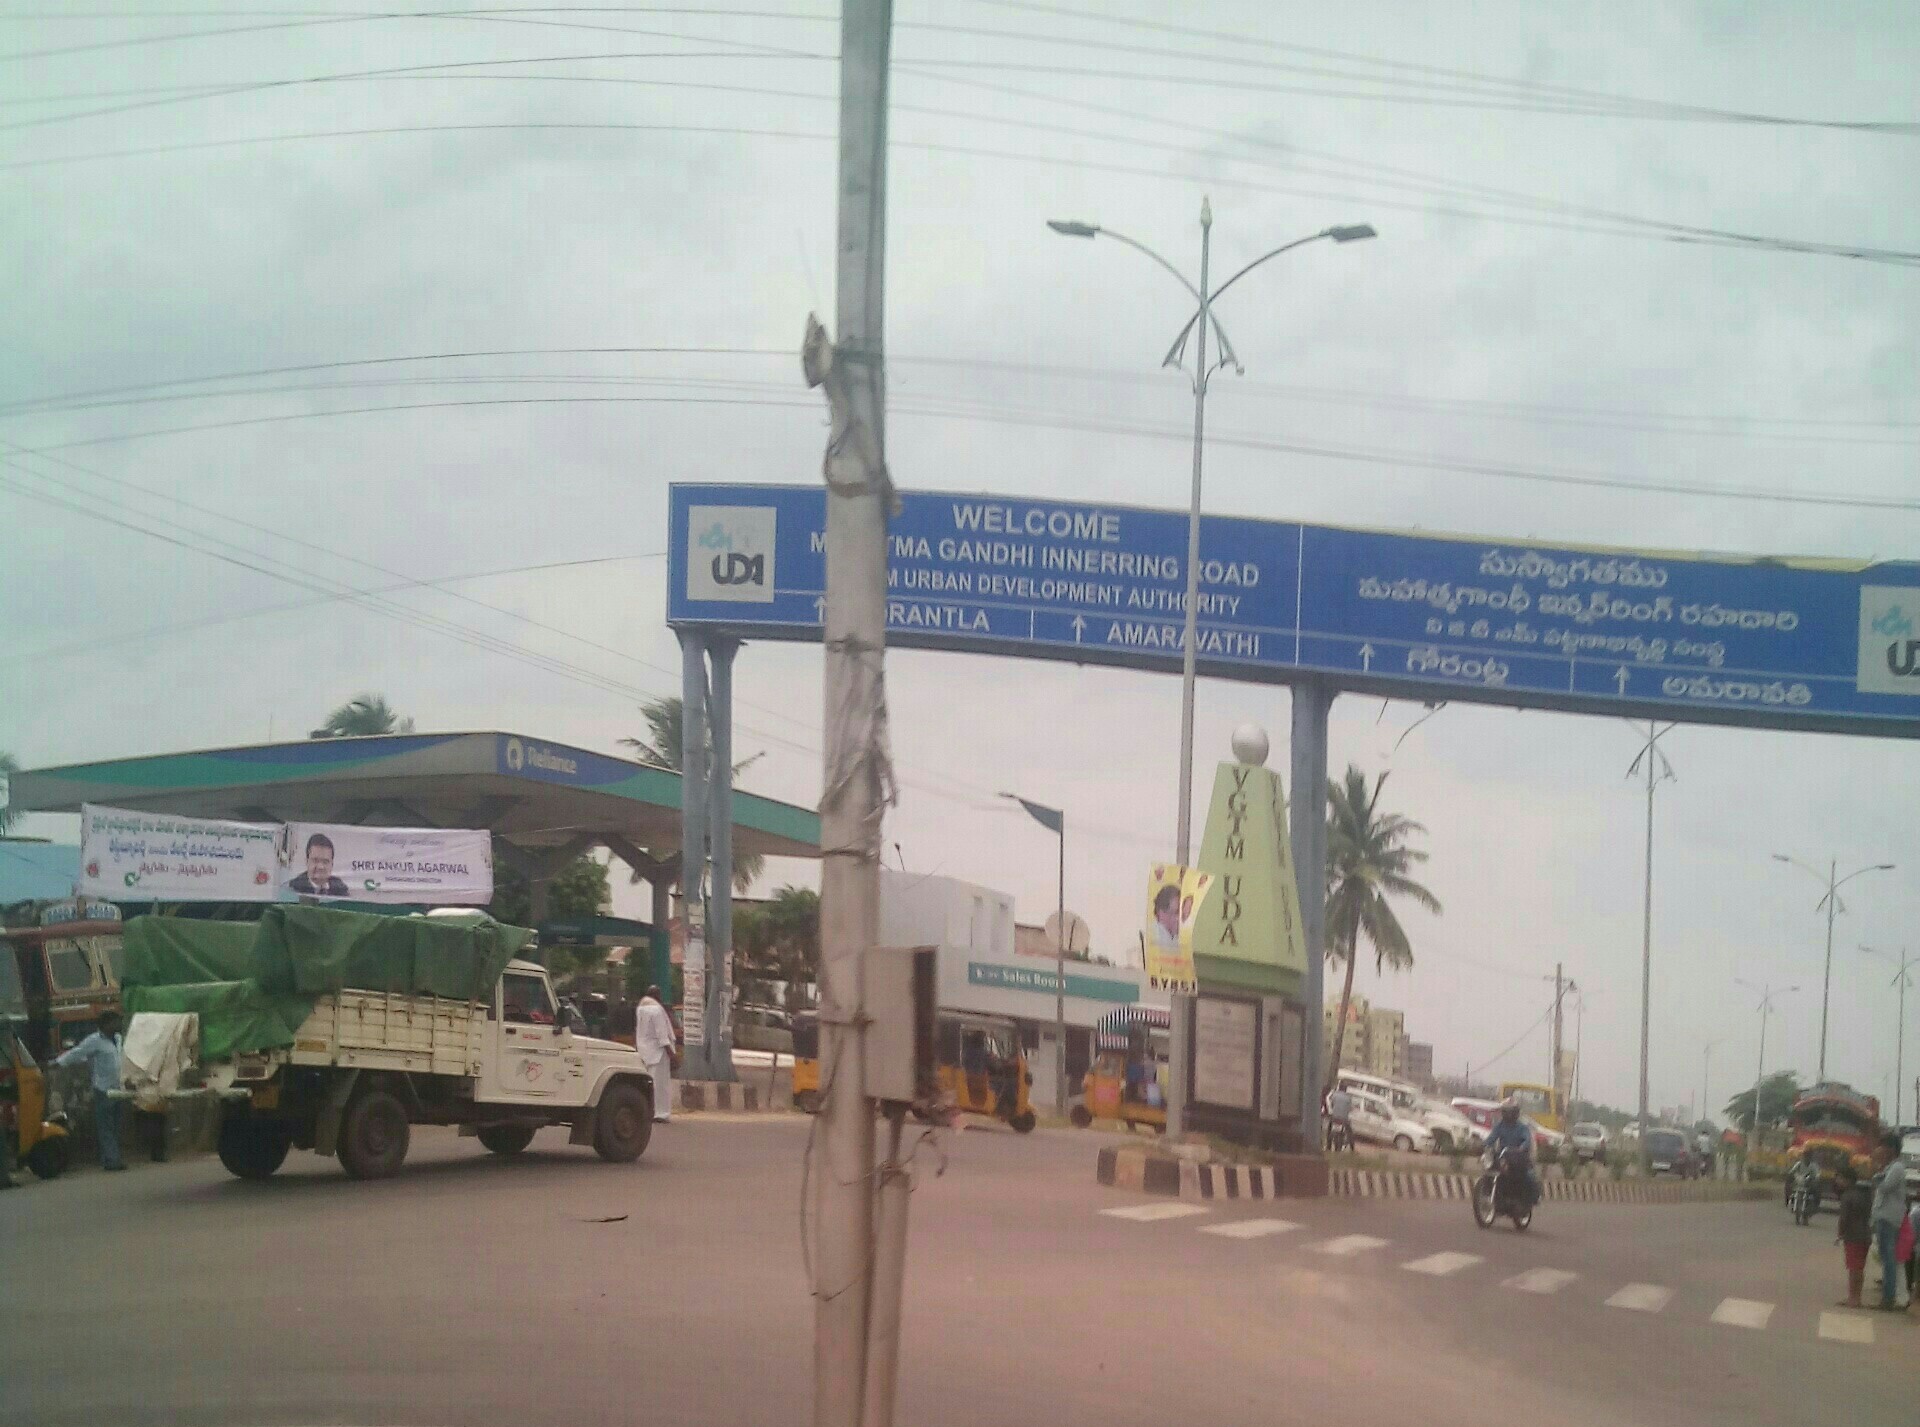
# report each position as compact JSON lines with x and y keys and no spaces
{"x":1339,"y":1118}
{"x":1855,"y":1234}
{"x":653,"y":1037}
{"x":1889,"y":1212}
{"x":100,"y":1052}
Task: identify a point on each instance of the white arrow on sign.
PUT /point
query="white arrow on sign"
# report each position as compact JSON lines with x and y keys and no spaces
{"x":1079,"y":627}
{"x":820,"y":608}
{"x":1620,"y":679}
{"x":1366,"y":656}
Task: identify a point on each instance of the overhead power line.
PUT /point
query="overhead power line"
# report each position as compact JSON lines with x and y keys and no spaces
{"x":930,"y":408}
{"x":1466,"y":405}
{"x":1621,"y":105}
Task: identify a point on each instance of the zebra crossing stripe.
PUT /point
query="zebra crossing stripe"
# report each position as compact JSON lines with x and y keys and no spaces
{"x":1250,"y":1228}
{"x":1541,"y":1280}
{"x":1440,"y":1265}
{"x":1743,"y":1313}
{"x":1347,"y":1245}
{"x":1148,"y":1213}
{"x":1642,"y":1298}
{"x":1846,"y":1327}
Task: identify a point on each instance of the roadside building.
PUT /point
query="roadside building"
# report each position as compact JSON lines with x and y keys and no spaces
{"x":1420,"y":1063}
{"x":982,"y":969}
{"x":1376,"y":1040}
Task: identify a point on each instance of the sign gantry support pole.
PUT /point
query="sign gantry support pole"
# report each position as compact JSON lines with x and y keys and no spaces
{"x":693,"y":843}
{"x":1307,"y":830}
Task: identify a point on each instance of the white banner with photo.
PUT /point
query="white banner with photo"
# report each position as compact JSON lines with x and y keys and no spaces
{"x":133,"y":856}
{"x":429,"y":866}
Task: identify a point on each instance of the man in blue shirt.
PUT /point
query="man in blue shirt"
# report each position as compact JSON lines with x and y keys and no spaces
{"x":100,"y":1052}
{"x":1509,"y":1132}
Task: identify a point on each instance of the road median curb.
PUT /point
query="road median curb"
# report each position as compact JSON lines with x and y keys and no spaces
{"x":1147,"y":1172}
{"x":1412,"y":1184}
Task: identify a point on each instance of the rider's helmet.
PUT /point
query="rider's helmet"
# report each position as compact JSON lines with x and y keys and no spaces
{"x":1510,"y":1110}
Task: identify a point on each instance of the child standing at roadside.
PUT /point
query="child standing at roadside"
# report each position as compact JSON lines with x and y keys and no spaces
{"x":1856,"y":1230}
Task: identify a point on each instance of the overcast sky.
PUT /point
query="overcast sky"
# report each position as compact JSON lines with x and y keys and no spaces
{"x":1506,"y":316}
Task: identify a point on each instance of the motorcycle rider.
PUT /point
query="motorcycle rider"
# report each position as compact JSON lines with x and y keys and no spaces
{"x":1509,"y":1133}
{"x":1804,"y":1177}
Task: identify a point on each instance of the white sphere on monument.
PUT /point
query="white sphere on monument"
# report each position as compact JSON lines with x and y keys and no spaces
{"x":1250,"y":743}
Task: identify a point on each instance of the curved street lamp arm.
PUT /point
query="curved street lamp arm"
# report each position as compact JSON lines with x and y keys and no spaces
{"x":1877,"y":867}
{"x":1178,"y":276}
{"x":1180,"y":342}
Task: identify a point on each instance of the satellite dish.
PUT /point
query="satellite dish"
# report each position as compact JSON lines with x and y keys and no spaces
{"x":1077,"y":936}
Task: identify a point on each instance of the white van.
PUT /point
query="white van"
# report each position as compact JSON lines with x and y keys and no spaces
{"x":1449,"y":1126}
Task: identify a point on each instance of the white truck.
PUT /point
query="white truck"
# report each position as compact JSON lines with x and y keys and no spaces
{"x":364,"y":1066}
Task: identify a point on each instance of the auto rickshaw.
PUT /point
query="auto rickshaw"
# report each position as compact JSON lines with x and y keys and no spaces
{"x":806,"y":1062}
{"x":980,"y":1066}
{"x":39,"y":1136}
{"x":1126,"y":1081}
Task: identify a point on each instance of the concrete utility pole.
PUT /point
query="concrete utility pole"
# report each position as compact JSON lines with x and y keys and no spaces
{"x":1831,"y":902}
{"x":1706,"y":1075}
{"x":1657,"y":769}
{"x":857,"y":781}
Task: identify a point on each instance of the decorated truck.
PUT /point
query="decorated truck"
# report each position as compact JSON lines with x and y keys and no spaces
{"x":335,"y":1031}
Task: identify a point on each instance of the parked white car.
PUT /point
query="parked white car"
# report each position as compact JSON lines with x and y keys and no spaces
{"x":1448,"y":1125}
{"x":1376,"y":1120}
{"x":1589,"y":1142}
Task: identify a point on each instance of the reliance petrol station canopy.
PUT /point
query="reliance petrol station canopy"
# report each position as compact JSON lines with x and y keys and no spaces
{"x":537,"y":796}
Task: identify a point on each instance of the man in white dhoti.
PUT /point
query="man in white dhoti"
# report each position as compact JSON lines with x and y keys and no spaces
{"x":653,"y":1037}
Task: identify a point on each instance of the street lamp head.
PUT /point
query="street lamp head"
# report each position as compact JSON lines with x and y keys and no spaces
{"x":1781,"y":857}
{"x":1068,"y":229}
{"x":1883,"y":867}
{"x":1352,"y":232}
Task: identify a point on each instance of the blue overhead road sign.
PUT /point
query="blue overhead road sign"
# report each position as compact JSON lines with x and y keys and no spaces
{"x":1761,"y":642}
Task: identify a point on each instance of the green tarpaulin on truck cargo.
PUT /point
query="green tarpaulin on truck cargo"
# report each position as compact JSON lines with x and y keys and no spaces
{"x":254,"y":996}
{"x":234,"y":1016}
{"x":175,"y":951}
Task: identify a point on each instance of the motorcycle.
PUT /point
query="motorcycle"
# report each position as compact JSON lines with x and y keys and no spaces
{"x":1804,"y":1199}
{"x":1505,"y":1190}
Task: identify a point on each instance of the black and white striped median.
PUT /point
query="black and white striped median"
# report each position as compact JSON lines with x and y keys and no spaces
{"x":1146,"y":1171}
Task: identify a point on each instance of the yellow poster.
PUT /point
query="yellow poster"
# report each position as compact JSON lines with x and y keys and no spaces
{"x":1174,"y":897}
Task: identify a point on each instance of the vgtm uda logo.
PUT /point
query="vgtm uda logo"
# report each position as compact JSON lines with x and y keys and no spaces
{"x":732,"y":553}
{"x":1889,"y":644}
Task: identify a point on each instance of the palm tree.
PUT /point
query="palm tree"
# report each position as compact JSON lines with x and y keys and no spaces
{"x":362,"y":716}
{"x":8,"y":767}
{"x":778,"y":940}
{"x":1368,"y":862}
{"x":663,"y":749}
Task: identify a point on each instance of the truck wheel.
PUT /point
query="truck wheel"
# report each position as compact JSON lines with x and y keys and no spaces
{"x":623,"y":1124}
{"x":373,"y":1136}
{"x":506,"y":1139}
{"x":49,"y":1158}
{"x":254,"y":1149}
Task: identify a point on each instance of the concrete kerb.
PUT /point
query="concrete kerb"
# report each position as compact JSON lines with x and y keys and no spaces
{"x":1147,"y":1172}
{"x":1289,"y":1176}
{"x":1407,"y":1184}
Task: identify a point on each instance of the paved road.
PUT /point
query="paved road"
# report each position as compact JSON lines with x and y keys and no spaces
{"x":478,"y":1291}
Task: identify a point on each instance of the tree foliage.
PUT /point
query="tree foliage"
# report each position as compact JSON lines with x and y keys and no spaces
{"x":1777,"y":1094}
{"x":8,"y":767}
{"x":777,"y":942}
{"x":578,"y":890}
{"x":662,"y":748}
{"x":1368,"y":864}
{"x":362,"y":716}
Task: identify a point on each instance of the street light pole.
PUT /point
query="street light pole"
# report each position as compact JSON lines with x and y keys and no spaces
{"x":1766,"y":993}
{"x":1901,"y":980}
{"x":1056,"y":821}
{"x":1206,"y":323}
{"x":1657,"y":768}
{"x":1706,"y":1076}
{"x":1831,"y":902}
